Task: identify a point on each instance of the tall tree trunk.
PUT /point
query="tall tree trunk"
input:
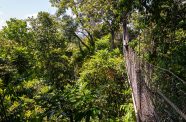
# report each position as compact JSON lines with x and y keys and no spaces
{"x":80,"y":48}
{"x":143,"y":105}
{"x":112,"y":45}
{"x":81,"y":41}
{"x":71,"y":117}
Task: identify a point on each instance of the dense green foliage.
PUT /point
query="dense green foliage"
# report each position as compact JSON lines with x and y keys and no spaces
{"x":71,"y":67}
{"x":46,"y":76}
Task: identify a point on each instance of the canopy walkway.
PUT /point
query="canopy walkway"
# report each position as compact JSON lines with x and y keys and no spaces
{"x":151,"y":100}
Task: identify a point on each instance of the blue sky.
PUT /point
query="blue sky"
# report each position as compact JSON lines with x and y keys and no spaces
{"x":21,"y":9}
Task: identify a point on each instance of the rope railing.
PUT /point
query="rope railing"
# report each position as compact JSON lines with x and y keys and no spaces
{"x":153,"y":88}
{"x":183,"y":115}
{"x":166,"y":70}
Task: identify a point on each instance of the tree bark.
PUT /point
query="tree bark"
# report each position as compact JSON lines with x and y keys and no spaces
{"x":112,"y":45}
{"x":81,"y":41}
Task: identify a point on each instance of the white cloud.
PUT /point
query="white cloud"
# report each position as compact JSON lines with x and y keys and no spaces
{"x":1,"y":13}
{"x":69,"y":12}
{"x":2,"y":23}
